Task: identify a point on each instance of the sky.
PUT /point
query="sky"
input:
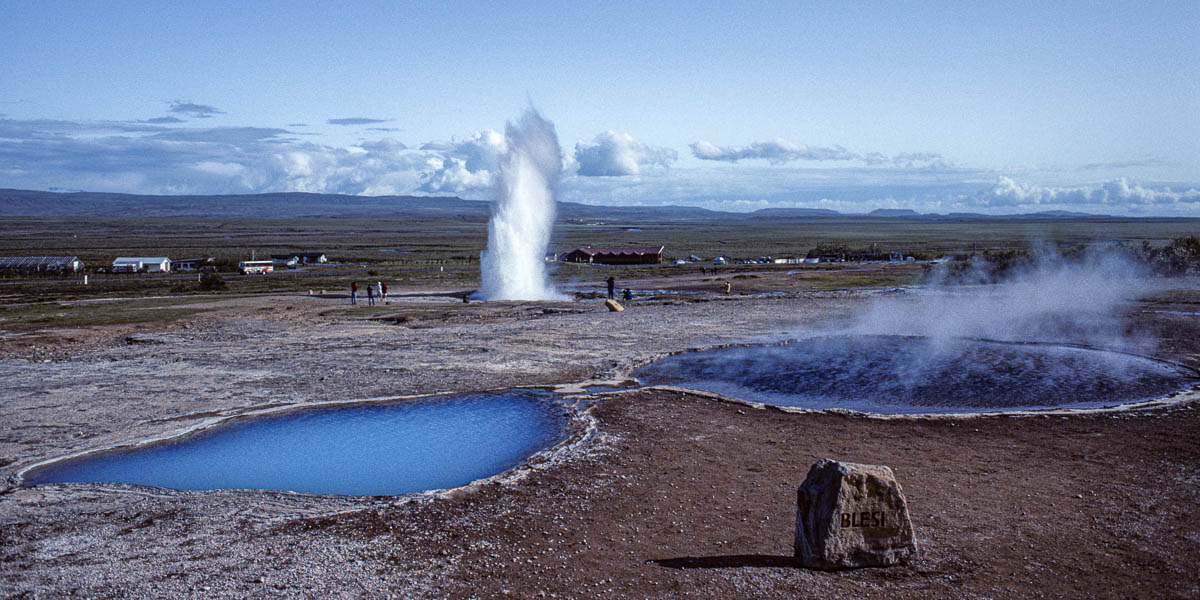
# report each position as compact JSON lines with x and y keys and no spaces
{"x":937,"y":107}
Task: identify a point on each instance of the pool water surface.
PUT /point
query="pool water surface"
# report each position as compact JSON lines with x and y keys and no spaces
{"x":363,"y":449}
{"x":904,"y":374}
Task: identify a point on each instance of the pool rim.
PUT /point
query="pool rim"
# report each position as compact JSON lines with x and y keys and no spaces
{"x":1187,"y":393}
{"x":579,"y":426}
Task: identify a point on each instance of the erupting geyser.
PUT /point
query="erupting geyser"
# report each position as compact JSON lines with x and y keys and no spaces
{"x":513,"y":267}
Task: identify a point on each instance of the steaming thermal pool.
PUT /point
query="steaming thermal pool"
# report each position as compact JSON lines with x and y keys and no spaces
{"x":358,"y":449}
{"x":901,"y":374}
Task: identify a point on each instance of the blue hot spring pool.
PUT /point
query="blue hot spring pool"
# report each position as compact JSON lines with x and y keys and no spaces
{"x":902,"y":374}
{"x":358,"y":449}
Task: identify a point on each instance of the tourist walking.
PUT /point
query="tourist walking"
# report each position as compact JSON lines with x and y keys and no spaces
{"x":354,"y":292}
{"x":383,"y":292}
{"x":370,"y":295}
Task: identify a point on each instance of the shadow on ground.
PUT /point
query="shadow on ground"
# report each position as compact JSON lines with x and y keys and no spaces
{"x":725,"y":562}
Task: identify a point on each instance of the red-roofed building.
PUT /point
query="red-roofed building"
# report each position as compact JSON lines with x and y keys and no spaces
{"x":616,"y":256}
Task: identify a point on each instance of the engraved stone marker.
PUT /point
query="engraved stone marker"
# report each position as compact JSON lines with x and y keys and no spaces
{"x":850,"y":515}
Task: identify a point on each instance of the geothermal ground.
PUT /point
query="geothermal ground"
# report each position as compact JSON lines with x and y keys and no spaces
{"x":657,"y":493}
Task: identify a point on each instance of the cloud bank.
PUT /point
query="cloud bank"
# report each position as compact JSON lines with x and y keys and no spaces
{"x":780,"y":151}
{"x":1115,"y":193}
{"x":610,"y":168}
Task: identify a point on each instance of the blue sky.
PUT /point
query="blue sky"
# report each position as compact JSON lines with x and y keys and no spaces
{"x":937,"y":107}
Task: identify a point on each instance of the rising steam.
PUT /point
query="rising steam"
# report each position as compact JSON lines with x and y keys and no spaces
{"x":964,"y":343}
{"x":513,"y":267}
{"x":1077,"y":301}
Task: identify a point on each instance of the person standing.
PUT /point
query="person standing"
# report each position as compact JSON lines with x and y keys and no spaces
{"x":353,"y":292}
{"x":370,"y":295}
{"x":612,"y":286}
{"x":383,"y":292}
{"x":379,"y":290}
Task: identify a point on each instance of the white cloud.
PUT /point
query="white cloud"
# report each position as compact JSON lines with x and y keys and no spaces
{"x":356,"y":121}
{"x":479,"y":152}
{"x":912,"y":160}
{"x":191,"y":109}
{"x":1116,"y":193}
{"x":224,"y":169}
{"x":160,"y":159}
{"x":173,"y":159}
{"x":618,"y":154}
{"x":780,"y":151}
{"x":450,"y":175}
{"x":462,"y":166}
{"x":776,"y":151}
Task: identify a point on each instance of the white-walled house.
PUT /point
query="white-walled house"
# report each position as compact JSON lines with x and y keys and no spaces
{"x":137,"y":264}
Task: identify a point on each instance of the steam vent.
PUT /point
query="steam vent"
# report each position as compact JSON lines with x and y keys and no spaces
{"x":850,"y":515}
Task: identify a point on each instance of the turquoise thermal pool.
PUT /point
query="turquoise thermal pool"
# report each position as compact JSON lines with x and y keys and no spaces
{"x":363,"y":449}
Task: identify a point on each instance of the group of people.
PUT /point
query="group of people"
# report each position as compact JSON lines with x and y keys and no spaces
{"x":612,"y":288}
{"x":379,"y":290}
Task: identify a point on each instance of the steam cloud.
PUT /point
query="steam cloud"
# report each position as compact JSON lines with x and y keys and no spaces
{"x":513,"y":267}
{"x":1054,"y":300}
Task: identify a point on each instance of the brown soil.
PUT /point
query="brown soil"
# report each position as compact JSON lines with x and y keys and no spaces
{"x":671,"y":495}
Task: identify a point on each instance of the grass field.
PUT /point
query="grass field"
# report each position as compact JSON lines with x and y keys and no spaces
{"x":33,"y":316}
{"x":443,"y":251}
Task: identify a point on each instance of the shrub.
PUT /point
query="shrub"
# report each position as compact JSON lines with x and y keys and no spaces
{"x":212,"y":281}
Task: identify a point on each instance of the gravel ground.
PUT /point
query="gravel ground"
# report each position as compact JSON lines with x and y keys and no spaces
{"x":657,"y":494}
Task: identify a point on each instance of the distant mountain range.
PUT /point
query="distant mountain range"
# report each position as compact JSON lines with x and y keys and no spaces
{"x":32,"y":203}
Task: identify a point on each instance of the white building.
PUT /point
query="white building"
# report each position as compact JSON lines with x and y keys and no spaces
{"x":40,"y":264}
{"x":137,"y":264}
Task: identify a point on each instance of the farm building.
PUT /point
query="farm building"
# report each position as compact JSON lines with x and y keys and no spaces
{"x":193,"y":264}
{"x":138,"y":264}
{"x":41,"y":264}
{"x":299,"y":258}
{"x":616,"y":256}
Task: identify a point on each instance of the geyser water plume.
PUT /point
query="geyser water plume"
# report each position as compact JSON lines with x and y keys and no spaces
{"x":513,"y":267}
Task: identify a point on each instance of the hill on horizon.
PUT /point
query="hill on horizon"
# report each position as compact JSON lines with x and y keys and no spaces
{"x":282,"y":205}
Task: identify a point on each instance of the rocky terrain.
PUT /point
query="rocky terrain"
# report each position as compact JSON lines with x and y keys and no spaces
{"x":658,"y":493}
